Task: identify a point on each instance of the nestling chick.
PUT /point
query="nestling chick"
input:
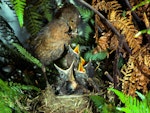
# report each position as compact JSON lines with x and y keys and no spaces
{"x":73,"y":54}
{"x":84,"y":76}
{"x":66,"y":83}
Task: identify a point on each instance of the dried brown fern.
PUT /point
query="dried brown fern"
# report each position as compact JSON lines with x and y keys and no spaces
{"x":136,"y":72}
{"x":124,"y":24}
{"x":107,"y":6}
{"x":127,"y":28}
{"x":103,"y":42}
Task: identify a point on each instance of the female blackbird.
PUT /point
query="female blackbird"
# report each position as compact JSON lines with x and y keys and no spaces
{"x":49,"y":44}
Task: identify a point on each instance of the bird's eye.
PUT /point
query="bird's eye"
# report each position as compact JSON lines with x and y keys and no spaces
{"x":72,"y":21}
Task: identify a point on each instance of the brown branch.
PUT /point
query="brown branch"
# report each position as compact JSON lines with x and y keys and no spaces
{"x":107,"y":23}
{"x":135,"y":16}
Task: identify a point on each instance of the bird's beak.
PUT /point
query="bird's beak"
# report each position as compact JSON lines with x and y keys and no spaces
{"x":72,"y":33}
{"x":68,"y":72}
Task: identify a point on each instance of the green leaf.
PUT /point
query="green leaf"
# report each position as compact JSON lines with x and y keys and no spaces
{"x":10,"y":93}
{"x":132,"y":104}
{"x":142,"y":32}
{"x":120,"y":62}
{"x":148,"y":31}
{"x":98,"y":101}
{"x":19,"y":6}
{"x":98,"y":56}
{"x":86,"y":14}
{"x":141,"y":4}
{"x":142,"y":97}
{"x":87,"y":32}
{"x":122,"y":97}
{"x":33,"y":21}
{"x":27,"y":55}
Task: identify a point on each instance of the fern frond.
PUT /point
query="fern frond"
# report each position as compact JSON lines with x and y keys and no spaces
{"x":45,"y":7}
{"x":135,"y":76}
{"x":19,"y":6}
{"x":88,"y":31}
{"x":98,"y":101}
{"x":102,"y":106}
{"x":132,"y":104}
{"x":96,"y":57}
{"x":127,"y":28}
{"x":147,"y":98}
{"x":86,"y":14}
{"x":27,"y":55}
{"x":79,"y":40}
{"x":18,"y":87}
{"x":10,"y":96}
{"x":108,"y":6}
{"x":33,"y":21}
{"x":84,"y":30}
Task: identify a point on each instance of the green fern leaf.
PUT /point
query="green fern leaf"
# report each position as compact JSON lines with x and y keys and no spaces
{"x":10,"y":93}
{"x":19,"y":6}
{"x":87,"y":32}
{"x":102,"y":106}
{"x":86,"y":14}
{"x":84,"y":30}
{"x":142,"y":97}
{"x":147,"y":98}
{"x":33,"y":21}
{"x":122,"y":97}
{"x":132,"y":104}
{"x":98,"y":101}
{"x":45,"y":7}
{"x":142,"y":32}
{"x":98,"y":56}
{"x":27,"y":55}
{"x":78,"y":40}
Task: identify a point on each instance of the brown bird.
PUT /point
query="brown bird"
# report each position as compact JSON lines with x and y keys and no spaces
{"x":49,"y":45}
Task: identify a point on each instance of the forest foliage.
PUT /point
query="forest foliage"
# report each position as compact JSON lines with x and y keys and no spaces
{"x":118,"y":44}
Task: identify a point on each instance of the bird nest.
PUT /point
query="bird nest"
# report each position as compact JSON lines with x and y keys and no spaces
{"x":50,"y":103}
